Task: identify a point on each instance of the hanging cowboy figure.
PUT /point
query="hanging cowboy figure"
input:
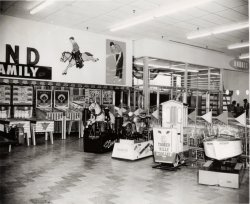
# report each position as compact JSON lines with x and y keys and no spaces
{"x":76,"y":54}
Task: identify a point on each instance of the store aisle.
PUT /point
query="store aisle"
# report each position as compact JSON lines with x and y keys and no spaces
{"x":63,"y":174}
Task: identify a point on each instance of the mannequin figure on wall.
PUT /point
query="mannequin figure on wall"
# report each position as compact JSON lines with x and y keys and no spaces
{"x":75,"y":57}
{"x":76,"y":54}
{"x":118,"y":55}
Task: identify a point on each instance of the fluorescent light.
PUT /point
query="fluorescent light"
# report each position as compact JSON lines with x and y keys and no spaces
{"x":41,"y":6}
{"x":129,"y":24}
{"x":164,"y":10}
{"x":199,"y":35}
{"x":238,"y":45}
{"x":180,"y":6}
{"x":232,"y":27}
{"x":244,"y":56}
{"x":218,"y":30}
{"x":165,"y":67}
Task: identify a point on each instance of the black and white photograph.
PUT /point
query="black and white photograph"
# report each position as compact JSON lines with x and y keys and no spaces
{"x":124,"y":102}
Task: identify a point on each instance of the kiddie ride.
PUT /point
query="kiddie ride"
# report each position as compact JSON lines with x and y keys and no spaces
{"x":135,"y":134}
{"x":169,"y":144}
{"x":99,"y":135}
{"x":224,"y":167}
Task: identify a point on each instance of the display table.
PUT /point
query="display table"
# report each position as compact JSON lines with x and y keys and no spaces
{"x":101,"y":142}
{"x":43,"y":126}
{"x":131,"y":150}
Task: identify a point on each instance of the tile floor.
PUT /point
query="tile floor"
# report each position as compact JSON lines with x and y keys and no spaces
{"x":63,"y":174}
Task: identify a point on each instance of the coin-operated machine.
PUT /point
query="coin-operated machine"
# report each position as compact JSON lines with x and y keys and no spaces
{"x":169,"y":143}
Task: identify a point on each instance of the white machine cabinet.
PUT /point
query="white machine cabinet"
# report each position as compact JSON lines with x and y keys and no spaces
{"x":175,"y":115}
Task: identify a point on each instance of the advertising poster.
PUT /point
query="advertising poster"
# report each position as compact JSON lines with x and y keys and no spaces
{"x":4,"y":94}
{"x":107,"y":97}
{"x":93,"y":95}
{"x":43,"y":98}
{"x":65,"y":55}
{"x":61,"y":99}
{"x":22,"y":95}
{"x":115,"y":62}
{"x":78,"y":102}
{"x":165,"y":145}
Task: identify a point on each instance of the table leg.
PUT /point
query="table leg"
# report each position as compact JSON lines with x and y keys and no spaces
{"x":33,"y":136}
{"x":46,"y":136}
{"x":51,"y":137}
{"x":9,"y":147}
{"x":70,"y":126}
{"x":27,"y":139}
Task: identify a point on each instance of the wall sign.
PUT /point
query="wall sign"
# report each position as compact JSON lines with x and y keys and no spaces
{"x":22,"y":95}
{"x":43,"y":98}
{"x":44,"y":51}
{"x":5,"y":94}
{"x":30,"y":70}
{"x":61,"y":99}
{"x":239,"y":64}
{"x":107,"y":97}
{"x":93,"y":95}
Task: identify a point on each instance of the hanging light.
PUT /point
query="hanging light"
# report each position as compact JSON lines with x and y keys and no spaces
{"x":227,"y":92}
{"x":247,"y":92}
{"x":237,"y":92}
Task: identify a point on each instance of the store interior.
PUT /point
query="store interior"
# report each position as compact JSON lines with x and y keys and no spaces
{"x":124,"y":102}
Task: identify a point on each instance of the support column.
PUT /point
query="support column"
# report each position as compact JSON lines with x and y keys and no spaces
{"x":184,"y":96}
{"x":221,"y":90}
{"x":208,"y":93}
{"x":121,"y":99}
{"x":114,"y":98}
{"x":134,"y":99}
{"x":146,"y":92}
{"x":158,"y":98}
{"x":129,"y":94}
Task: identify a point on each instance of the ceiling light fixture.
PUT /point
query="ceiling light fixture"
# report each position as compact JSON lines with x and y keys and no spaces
{"x":165,"y":67}
{"x":41,"y":6}
{"x":238,"y":45}
{"x":218,"y":30}
{"x":244,"y":56}
{"x":166,"y":9}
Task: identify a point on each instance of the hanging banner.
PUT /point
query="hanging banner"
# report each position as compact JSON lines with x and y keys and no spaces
{"x":5,"y":94}
{"x":22,"y":95}
{"x":93,"y":95}
{"x":208,"y":117}
{"x":107,"y":97}
{"x":242,"y":119}
{"x":223,"y":117}
{"x":192,"y":115}
{"x":43,"y":98}
{"x":61,"y":99}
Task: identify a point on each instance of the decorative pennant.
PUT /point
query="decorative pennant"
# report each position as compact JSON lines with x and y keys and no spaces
{"x":208,"y":117}
{"x":123,"y":110}
{"x":138,"y":111}
{"x":192,"y":115}
{"x":242,"y":119}
{"x":156,"y":114}
{"x":223,"y":117}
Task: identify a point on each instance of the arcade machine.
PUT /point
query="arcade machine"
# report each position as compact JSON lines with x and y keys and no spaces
{"x":169,"y":145}
{"x":135,"y":134}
